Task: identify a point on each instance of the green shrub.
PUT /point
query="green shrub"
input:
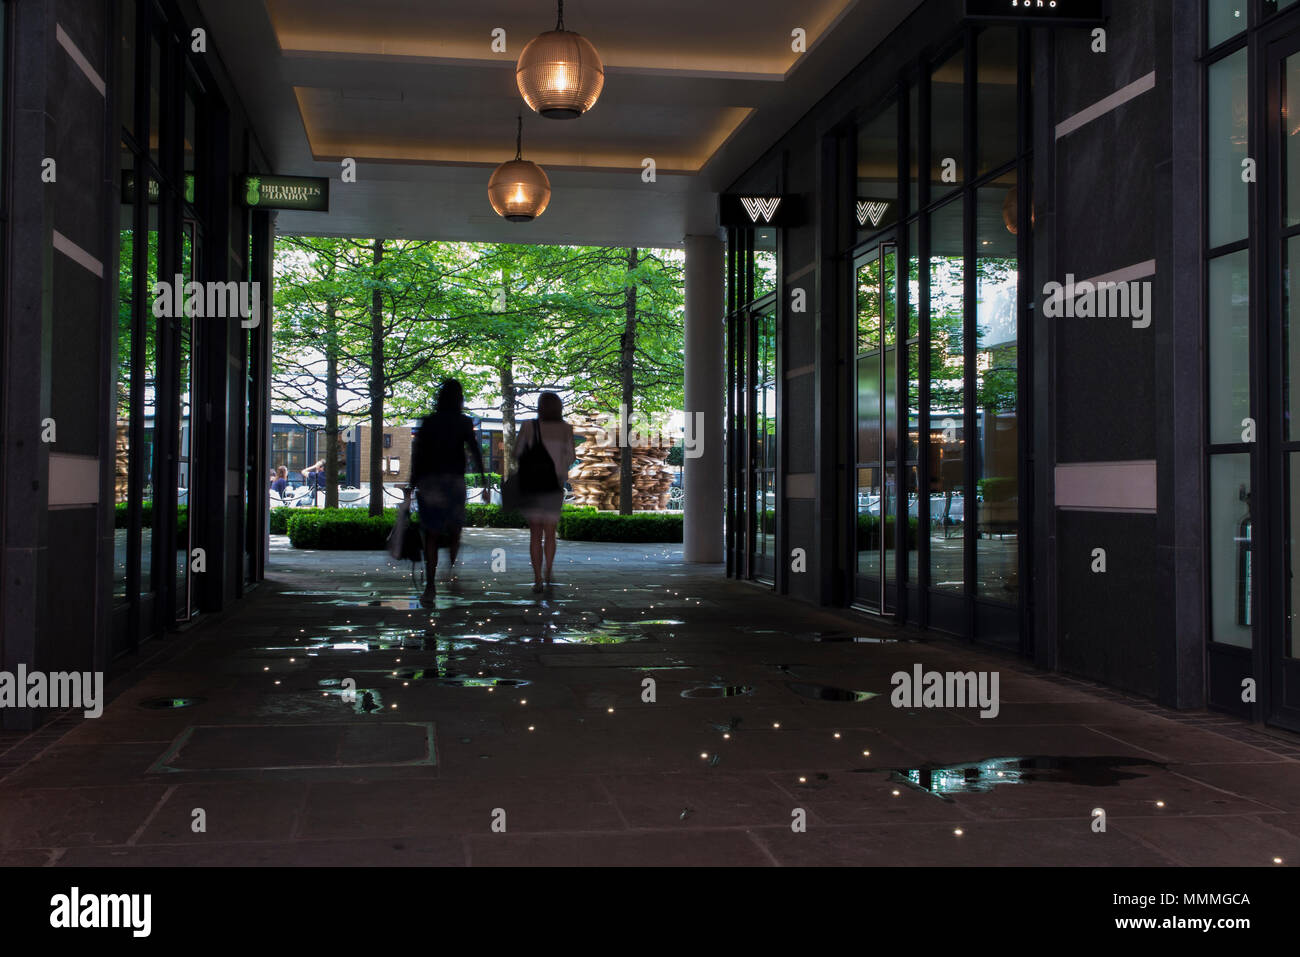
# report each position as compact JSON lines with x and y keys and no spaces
{"x":492,"y":516}
{"x":122,"y":518}
{"x":279,"y":519}
{"x":471,"y":479}
{"x":589,"y":525}
{"x":342,"y":528}
{"x":869,"y":532}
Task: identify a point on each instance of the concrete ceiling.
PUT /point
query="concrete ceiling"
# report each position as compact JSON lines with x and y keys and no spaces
{"x":412,"y":90}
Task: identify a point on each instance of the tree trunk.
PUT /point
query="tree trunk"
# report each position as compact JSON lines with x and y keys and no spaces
{"x":506,"y":377}
{"x":331,"y":409}
{"x":625,"y":369}
{"x":377,"y":388}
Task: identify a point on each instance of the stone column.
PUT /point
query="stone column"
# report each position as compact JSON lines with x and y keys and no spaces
{"x":703,"y":478}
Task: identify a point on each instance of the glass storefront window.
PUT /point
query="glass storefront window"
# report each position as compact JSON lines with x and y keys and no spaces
{"x":1231,"y":556}
{"x":122,"y":389}
{"x":946,"y":277}
{"x":947,"y":128}
{"x":877,"y":189}
{"x":1291,"y":338}
{"x":1291,"y":143}
{"x":764,"y":262}
{"x":1227,"y":18}
{"x":997,"y":440}
{"x":996,"y":116}
{"x":1229,"y":144}
{"x":913,"y":146}
{"x":1229,"y":346}
{"x":126,"y":67}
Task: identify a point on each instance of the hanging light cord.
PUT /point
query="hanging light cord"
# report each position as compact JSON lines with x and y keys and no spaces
{"x":519,"y":138}
{"x":559,"y":21}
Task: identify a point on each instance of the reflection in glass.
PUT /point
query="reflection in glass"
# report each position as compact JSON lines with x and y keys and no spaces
{"x":1229,"y":145}
{"x":1226,"y":18}
{"x":126,"y":66}
{"x":184,"y":331}
{"x":122,"y":388}
{"x":997,"y":447}
{"x":878,"y":168}
{"x":869,"y":306}
{"x":946,"y":126}
{"x":947,"y":410}
{"x":764,"y":262}
{"x":1231,"y":565}
{"x":995,"y":97}
{"x":148,"y":466}
{"x":1290,"y":337}
{"x":1291,"y":644}
{"x":1291,"y":141}
{"x":1229,"y":346}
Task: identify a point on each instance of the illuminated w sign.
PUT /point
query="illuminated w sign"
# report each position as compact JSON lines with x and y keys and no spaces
{"x":760,"y":206}
{"x":872,"y":210}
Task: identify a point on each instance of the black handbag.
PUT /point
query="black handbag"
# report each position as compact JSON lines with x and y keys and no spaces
{"x":536,"y":468}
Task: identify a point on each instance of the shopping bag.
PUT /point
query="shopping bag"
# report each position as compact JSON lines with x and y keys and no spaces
{"x":397,"y":537}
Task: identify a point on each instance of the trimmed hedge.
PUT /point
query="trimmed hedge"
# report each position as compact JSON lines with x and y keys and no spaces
{"x":471,"y":480}
{"x":354,"y":529}
{"x":869,"y":532}
{"x":593,"y":526}
{"x":122,"y":518}
{"x":342,"y":528}
{"x":279,"y":519}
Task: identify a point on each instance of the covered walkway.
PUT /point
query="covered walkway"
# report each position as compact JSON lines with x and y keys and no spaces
{"x":528,"y":713}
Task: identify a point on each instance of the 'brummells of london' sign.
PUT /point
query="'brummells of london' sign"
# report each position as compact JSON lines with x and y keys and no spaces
{"x":308,"y":193}
{"x":1038,"y":11}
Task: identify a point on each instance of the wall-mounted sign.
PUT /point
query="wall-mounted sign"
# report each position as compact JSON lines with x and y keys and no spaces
{"x":1047,"y":12}
{"x":310,"y":193}
{"x":756,"y":210}
{"x":872,"y":214}
{"x":128,"y":188}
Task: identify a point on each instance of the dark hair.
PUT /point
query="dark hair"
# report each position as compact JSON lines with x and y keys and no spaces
{"x":451,"y":397}
{"x":549,"y":407}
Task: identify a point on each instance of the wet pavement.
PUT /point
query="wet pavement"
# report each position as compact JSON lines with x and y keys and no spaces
{"x":642,"y":711}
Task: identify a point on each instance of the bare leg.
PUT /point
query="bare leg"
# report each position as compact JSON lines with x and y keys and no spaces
{"x":430,"y":563}
{"x":535,"y":552}
{"x":452,"y":540}
{"x":549,"y":530}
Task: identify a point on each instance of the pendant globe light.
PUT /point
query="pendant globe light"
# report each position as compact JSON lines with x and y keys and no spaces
{"x":518,"y":189}
{"x":559,"y":73}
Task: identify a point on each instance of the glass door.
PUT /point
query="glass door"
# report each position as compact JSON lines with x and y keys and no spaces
{"x":1281,"y":551}
{"x":751,"y":440}
{"x":875,"y":383}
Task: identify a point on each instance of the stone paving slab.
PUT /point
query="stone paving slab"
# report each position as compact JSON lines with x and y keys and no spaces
{"x":745,"y":730}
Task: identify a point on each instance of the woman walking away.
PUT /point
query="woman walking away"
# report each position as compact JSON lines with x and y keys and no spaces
{"x":438,"y":474}
{"x":542,"y":509}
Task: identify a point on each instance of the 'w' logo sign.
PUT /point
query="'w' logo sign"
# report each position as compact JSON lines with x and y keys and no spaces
{"x":869,"y":209}
{"x":761,"y":206}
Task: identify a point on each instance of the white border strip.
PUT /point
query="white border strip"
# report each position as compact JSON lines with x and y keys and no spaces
{"x":1107,"y":486}
{"x":1104,"y":106}
{"x":79,"y":58}
{"x":73,"y":480}
{"x":78,"y":255}
{"x":1128,"y":274}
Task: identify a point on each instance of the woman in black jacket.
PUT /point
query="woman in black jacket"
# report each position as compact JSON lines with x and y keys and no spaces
{"x":438,"y":474}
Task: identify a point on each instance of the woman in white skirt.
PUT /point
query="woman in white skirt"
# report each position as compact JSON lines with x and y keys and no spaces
{"x":543,"y":510}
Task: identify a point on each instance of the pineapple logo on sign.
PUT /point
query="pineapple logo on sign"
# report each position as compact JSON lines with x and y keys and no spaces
{"x":253,"y":195}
